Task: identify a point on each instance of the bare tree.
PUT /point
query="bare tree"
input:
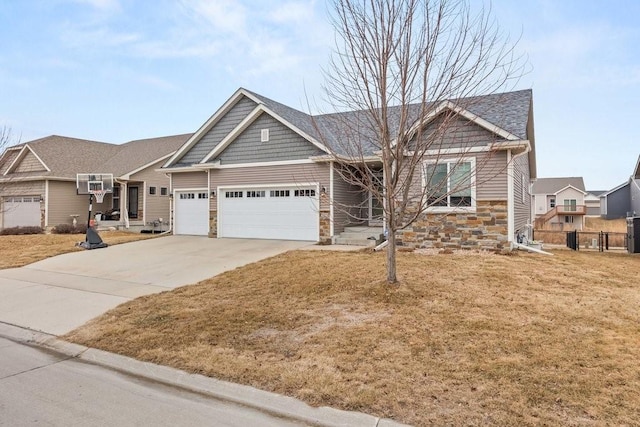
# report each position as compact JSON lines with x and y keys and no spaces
{"x":6,"y":139}
{"x":395,"y":64}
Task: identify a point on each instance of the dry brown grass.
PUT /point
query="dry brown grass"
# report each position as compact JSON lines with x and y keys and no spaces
{"x":17,"y":251}
{"x":464,"y":340}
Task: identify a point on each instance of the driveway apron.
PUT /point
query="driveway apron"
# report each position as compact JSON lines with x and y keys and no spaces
{"x":59,"y":294}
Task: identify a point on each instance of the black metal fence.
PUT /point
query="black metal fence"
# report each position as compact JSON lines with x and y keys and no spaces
{"x":594,"y":240}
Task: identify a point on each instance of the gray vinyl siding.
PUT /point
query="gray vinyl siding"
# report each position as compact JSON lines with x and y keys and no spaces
{"x":350,"y":204}
{"x":455,"y":132}
{"x":283,"y":144}
{"x":29,"y":188}
{"x":491,"y":174}
{"x":521,"y":210}
{"x":154,"y":205}
{"x":64,"y":202}
{"x":222,"y":128}
{"x":189,"y":180}
{"x":267,"y":175}
{"x":29,"y":163}
{"x":618,"y":202}
{"x":635,"y":197}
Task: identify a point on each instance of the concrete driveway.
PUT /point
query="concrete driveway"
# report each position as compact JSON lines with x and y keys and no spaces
{"x":59,"y":294}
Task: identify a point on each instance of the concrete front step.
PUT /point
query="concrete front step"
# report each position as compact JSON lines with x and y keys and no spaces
{"x":360,"y":236}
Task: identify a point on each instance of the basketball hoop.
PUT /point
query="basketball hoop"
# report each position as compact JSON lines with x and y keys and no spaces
{"x":99,"y":194}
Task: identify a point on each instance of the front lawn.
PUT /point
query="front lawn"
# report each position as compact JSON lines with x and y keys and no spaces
{"x":466,"y":339}
{"x":17,"y":251}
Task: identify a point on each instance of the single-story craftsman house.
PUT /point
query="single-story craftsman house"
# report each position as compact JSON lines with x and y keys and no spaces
{"x":260,"y":169}
{"x":38,"y":181}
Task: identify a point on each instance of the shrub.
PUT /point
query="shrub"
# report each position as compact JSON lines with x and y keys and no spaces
{"x":69,"y":229}
{"x":15,"y":231}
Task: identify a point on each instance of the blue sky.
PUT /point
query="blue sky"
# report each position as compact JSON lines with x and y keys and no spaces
{"x":118,"y":70}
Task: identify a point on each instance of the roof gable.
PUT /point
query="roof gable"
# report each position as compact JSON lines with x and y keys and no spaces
{"x":553,"y":185}
{"x":636,"y":171}
{"x":234,"y":102}
{"x":26,"y":161}
{"x":568,"y":187}
{"x":247,"y":145}
{"x":246,"y":124}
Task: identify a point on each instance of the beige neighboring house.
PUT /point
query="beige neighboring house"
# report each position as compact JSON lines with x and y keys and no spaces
{"x":38,"y":181}
{"x":559,"y":203}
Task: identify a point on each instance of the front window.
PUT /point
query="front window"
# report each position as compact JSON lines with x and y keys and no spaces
{"x":552,"y":203}
{"x":568,"y":219}
{"x":115,"y":197}
{"x":449,"y":183}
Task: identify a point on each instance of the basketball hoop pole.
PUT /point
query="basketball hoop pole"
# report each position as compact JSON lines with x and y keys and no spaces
{"x":90,"y":209}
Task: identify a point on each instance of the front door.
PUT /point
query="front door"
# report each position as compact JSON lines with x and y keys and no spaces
{"x":132,"y":202}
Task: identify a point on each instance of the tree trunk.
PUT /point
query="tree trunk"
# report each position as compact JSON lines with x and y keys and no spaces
{"x":391,"y":257}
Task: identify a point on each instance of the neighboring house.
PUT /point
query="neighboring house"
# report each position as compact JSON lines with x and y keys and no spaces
{"x":559,"y":203}
{"x":592,"y":202}
{"x":38,"y":181}
{"x":624,"y":200}
{"x":260,"y":169}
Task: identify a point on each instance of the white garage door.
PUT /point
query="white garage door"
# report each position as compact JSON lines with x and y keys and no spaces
{"x":289,"y":213}
{"x":23,"y":211}
{"x":192,"y":213}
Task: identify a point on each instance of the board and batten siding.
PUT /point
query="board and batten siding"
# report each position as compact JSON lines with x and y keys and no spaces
{"x":222,"y":128}
{"x":64,"y":202}
{"x":635,"y":196}
{"x":188,"y":180}
{"x":521,"y":196}
{"x":283,"y":144}
{"x":29,"y":163}
{"x":269,"y":175}
{"x":155,"y":205}
{"x":350,"y":204}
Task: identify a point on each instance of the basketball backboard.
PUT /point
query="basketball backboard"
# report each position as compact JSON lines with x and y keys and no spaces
{"x":88,"y":183}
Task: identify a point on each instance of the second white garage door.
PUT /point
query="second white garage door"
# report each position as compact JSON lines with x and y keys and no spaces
{"x":289,"y":213}
{"x":23,"y":211}
{"x":192,"y":212}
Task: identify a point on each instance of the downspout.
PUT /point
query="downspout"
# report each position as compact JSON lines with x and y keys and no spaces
{"x":331,"y":208}
{"x":511,"y":208}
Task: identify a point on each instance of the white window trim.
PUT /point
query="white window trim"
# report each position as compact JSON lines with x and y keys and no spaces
{"x":450,"y":209}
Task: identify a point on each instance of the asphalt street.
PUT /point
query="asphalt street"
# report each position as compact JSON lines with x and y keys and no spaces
{"x":46,"y":389}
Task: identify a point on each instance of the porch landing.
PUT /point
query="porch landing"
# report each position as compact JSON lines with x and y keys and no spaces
{"x":360,"y":235}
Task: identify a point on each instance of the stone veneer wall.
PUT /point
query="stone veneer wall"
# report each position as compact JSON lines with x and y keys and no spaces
{"x":486,"y":228}
{"x":325,"y":227}
{"x":213,"y":223}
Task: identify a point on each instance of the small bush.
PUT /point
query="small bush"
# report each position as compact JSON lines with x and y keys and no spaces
{"x":15,"y":231}
{"x":69,"y":229}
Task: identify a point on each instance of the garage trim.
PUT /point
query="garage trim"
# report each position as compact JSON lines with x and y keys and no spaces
{"x":176,"y":195}
{"x":220,"y":191}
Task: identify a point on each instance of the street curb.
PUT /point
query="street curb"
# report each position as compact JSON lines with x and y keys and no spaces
{"x":268,"y":402}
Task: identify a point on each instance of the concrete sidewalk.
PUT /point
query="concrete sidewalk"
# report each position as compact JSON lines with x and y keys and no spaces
{"x":59,"y":294}
{"x":277,"y":405}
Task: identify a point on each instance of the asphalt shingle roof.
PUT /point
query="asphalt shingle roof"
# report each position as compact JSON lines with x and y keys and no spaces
{"x":65,"y":156}
{"x":553,"y":185}
{"x":508,"y":111}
